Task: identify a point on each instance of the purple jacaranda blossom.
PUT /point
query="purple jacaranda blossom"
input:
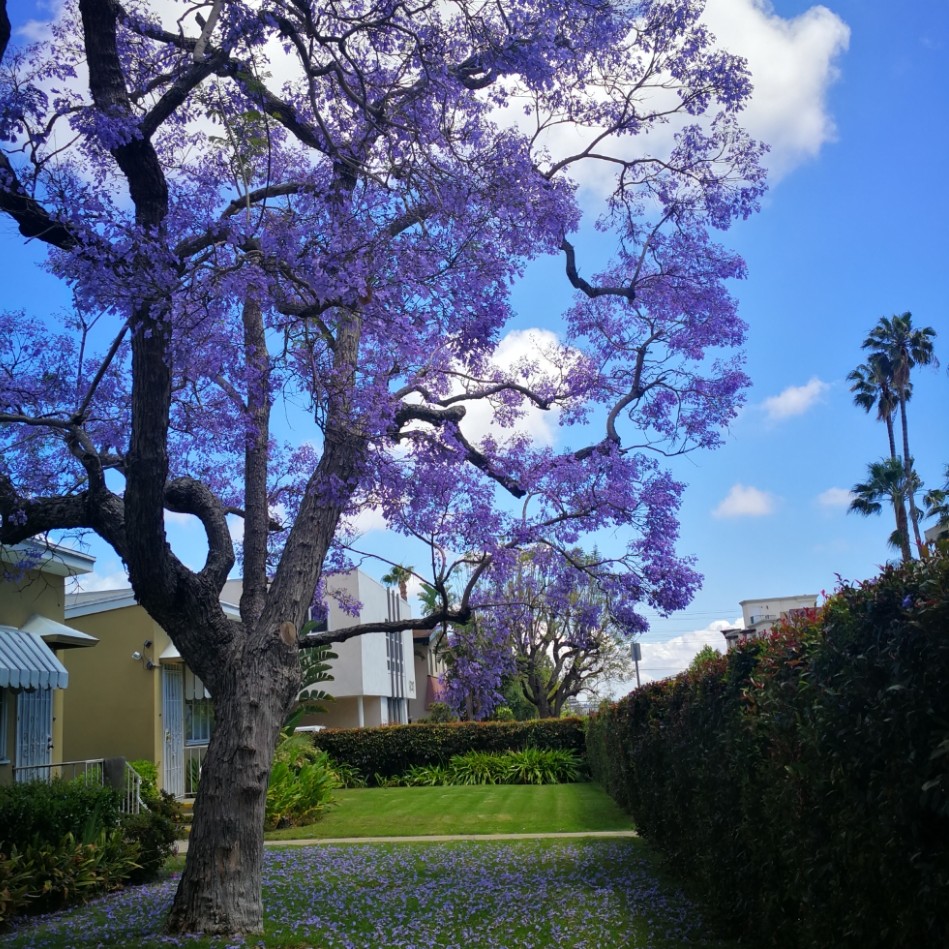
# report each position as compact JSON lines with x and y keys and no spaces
{"x":290,"y":234}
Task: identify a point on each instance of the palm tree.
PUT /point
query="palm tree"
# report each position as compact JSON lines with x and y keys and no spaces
{"x":399,"y":576}
{"x":904,"y":347}
{"x":871,"y":385}
{"x":887,"y":480}
{"x":937,"y":503}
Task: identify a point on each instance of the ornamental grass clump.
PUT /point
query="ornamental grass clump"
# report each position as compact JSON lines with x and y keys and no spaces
{"x":476,"y":767}
{"x":542,"y":766}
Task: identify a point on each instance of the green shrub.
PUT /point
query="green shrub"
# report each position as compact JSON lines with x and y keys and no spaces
{"x":154,"y":832}
{"x":148,"y":772}
{"x":440,"y":712}
{"x":392,"y":750}
{"x":16,"y":884}
{"x":477,"y":767}
{"x":48,"y":811}
{"x":802,"y":781}
{"x":45,"y":876}
{"x":302,"y":782}
{"x":542,"y":766}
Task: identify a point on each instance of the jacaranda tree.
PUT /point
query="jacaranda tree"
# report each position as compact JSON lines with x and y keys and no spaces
{"x":320,"y":207}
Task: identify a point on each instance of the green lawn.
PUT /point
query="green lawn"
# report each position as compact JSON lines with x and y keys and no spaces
{"x":573,"y":893}
{"x":490,"y":809}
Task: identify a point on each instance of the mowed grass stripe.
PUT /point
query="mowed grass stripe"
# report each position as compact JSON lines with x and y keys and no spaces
{"x":491,"y":809}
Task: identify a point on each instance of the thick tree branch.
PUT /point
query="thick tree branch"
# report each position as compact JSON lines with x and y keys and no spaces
{"x":188,"y":496}
{"x":628,"y":293}
{"x":32,"y":219}
{"x":451,"y":416}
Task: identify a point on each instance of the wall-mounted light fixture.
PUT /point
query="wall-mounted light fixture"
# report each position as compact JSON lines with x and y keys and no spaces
{"x":142,"y":658}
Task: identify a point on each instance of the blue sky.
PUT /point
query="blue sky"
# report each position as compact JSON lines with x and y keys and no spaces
{"x":853,"y":98}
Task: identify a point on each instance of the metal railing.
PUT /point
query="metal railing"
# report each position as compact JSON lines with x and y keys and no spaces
{"x":194,"y":762}
{"x":112,"y":772}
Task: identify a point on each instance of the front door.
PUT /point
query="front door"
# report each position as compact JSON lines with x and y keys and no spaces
{"x":172,"y":710}
{"x":34,"y":735}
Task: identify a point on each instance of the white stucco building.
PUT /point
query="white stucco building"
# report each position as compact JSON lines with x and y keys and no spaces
{"x":374,"y":676}
{"x":759,"y":616}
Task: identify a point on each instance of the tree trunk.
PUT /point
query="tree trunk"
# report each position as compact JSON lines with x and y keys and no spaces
{"x":899,"y":506}
{"x":910,"y":481}
{"x":902,"y":528}
{"x":220,"y":889}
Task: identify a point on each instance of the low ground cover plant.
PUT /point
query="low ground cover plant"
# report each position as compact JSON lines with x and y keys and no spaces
{"x":515,"y":895}
{"x":530,"y":766}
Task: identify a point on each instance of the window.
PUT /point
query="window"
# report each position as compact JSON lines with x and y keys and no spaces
{"x":199,"y":711}
{"x":395,"y":664}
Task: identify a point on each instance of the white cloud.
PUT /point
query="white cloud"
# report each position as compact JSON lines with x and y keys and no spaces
{"x":95,"y":581}
{"x":368,"y":519}
{"x":671,"y":656}
{"x":793,"y":64}
{"x":746,"y":501}
{"x":794,"y":400}
{"x":519,"y":347}
{"x":835,"y":498}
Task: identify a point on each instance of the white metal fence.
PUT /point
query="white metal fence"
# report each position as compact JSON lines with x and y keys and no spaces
{"x":112,"y":772}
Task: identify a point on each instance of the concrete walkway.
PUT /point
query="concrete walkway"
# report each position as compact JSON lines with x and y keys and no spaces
{"x":433,"y":838}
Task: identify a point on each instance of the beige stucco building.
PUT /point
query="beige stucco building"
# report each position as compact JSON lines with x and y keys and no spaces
{"x":34,"y":643}
{"x":137,"y":699}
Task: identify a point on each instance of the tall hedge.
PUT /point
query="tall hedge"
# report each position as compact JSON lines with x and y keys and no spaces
{"x":393,"y":749}
{"x":802,"y":782}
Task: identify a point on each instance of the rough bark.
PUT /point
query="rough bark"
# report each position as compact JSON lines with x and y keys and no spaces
{"x":220,"y":889}
{"x":914,"y":515}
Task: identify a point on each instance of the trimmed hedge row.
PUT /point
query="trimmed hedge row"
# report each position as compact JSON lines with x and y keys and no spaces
{"x":391,"y":750}
{"x":802,"y":782}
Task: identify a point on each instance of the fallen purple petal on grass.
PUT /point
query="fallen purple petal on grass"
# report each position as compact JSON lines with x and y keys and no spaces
{"x":573,"y":894}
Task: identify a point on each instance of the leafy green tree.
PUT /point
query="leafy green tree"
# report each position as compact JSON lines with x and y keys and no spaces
{"x":704,"y":658}
{"x":937,"y":503}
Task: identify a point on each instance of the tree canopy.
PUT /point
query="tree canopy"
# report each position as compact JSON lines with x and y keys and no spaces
{"x":290,"y":230}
